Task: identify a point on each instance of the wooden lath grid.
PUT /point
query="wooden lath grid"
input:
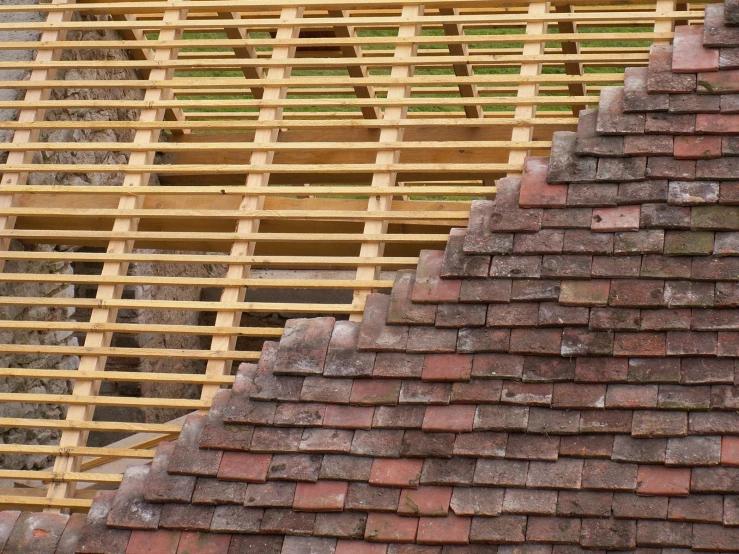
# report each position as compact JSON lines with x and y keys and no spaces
{"x":309,"y":138}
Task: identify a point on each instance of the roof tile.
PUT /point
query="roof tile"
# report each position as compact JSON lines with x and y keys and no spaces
{"x":662,"y":481}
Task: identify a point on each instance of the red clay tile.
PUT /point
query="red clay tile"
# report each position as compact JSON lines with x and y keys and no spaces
{"x":203,"y":543}
{"x":447,"y":367}
{"x":425,"y":501}
{"x":697,"y":147}
{"x":244,"y":466}
{"x":36,"y":533}
{"x":535,"y":191}
{"x":404,"y":473}
{"x":429,"y":287}
{"x":323,"y":496}
{"x":375,"y":392}
{"x":449,"y":418}
{"x":730,"y":451}
{"x":585,"y":293}
{"x":688,"y":54}
{"x":153,"y":542}
{"x":356,"y":547}
{"x":477,"y":501}
{"x":553,"y":530}
{"x":303,"y":346}
{"x":662,"y":481}
{"x":444,"y":530}
{"x":348,"y":417}
{"x":390,"y":528}
{"x":621,"y":218}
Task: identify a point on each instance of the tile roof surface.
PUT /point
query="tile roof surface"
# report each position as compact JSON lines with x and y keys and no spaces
{"x":560,"y":380}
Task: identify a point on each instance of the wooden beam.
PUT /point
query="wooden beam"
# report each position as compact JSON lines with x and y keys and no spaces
{"x":571,"y":49}
{"x":387,"y":177}
{"x":244,"y":52}
{"x":523,"y":133}
{"x":461,"y":69}
{"x":246,"y":224}
{"x":146,"y":54}
{"x":101,"y":340}
{"x":358,"y":71}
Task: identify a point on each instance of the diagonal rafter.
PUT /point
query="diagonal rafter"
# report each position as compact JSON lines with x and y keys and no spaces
{"x":147,"y":54}
{"x":385,"y":178}
{"x":461,"y":69}
{"x":249,"y":225}
{"x":357,"y":71}
{"x":571,"y":48}
{"x":87,"y":387}
{"x":244,"y":52}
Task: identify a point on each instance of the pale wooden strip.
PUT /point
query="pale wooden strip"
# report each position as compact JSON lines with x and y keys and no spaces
{"x":31,"y":115}
{"x":290,"y":307}
{"x":467,"y":61}
{"x":194,"y":25}
{"x":8,"y":502}
{"x":53,"y":476}
{"x":274,"y":190}
{"x":537,"y":27}
{"x":461,"y":68}
{"x":383,"y":175}
{"x":207,"y":281}
{"x":325,"y":80}
{"x":149,"y":6}
{"x":307,"y":215}
{"x":573,"y":65}
{"x":349,"y":41}
{"x":75,"y":451}
{"x":266,"y":168}
{"x":84,"y":425}
{"x":299,"y":103}
{"x":263,"y":332}
{"x":313,"y":262}
{"x":122,"y":376}
{"x":250,"y":205}
{"x":96,"y":341}
{"x":665,"y":25}
{"x":489,"y":121}
{"x":356,"y":70}
{"x":121,"y":401}
{"x":244,"y":52}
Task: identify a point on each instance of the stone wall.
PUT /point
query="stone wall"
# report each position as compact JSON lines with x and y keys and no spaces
{"x":50,"y":411}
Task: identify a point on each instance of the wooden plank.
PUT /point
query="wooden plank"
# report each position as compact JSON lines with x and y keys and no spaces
{"x":100,"y":340}
{"x":537,"y":27}
{"x":31,"y":115}
{"x":246,"y":223}
{"x":338,"y":42}
{"x":572,"y":50}
{"x":267,"y":23}
{"x":119,"y":376}
{"x":262,"y":332}
{"x":156,"y":7}
{"x":384,"y":174}
{"x":311,"y":262}
{"x":356,"y":70}
{"x":244,"y":52}
{"x":461,"y":69}
{"x":145,"y":54}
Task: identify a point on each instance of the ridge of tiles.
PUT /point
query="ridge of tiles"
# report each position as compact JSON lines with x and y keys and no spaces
{"x":561,"y":379}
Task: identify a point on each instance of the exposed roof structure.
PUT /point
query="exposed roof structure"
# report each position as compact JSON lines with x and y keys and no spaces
{"x":560,"y":379}
{"x":280,"y":133}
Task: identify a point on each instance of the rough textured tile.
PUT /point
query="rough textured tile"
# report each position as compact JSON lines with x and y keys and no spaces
{"x":342,"y":358}
{"x":535,"y":191}
{"x":303,"y":346}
